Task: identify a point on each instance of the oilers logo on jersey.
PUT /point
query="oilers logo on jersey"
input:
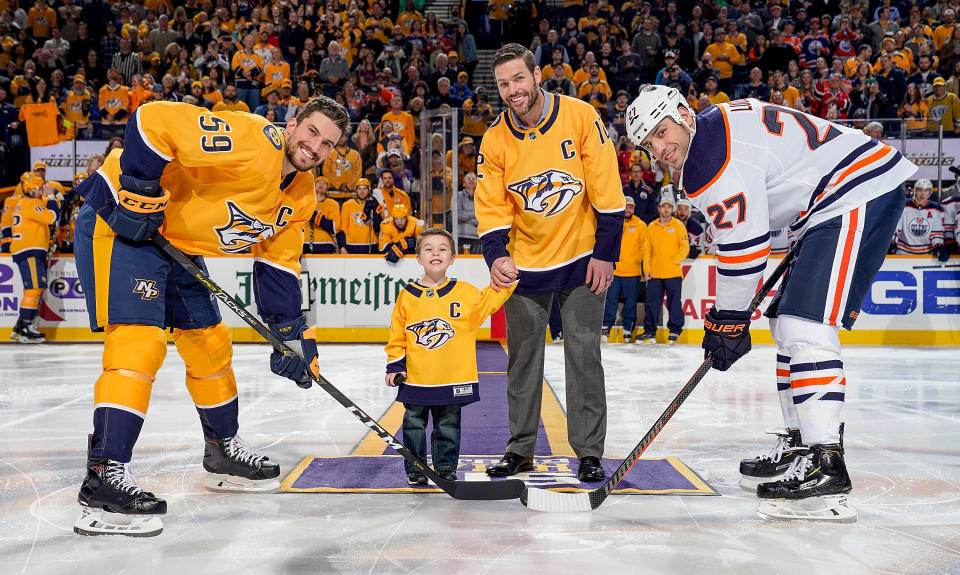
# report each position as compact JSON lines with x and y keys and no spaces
{"x":548,"y":192}
{"x":920,"y":226}
{"x":242,"y":231}
{"x":432,"y":333}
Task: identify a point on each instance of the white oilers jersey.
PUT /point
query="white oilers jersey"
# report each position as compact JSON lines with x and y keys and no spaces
{"x":920,"y":229}
{"x":781,"y":241}
{"x":950,"y":206}
{"x":754,"y":167}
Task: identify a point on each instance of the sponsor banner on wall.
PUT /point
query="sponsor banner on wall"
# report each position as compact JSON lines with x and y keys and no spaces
{"x":908,"y":294}
{"x":62,"y":162}
{"x":925,"y":153}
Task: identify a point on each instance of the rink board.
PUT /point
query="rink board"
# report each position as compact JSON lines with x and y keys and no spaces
{"x":913,"y":300}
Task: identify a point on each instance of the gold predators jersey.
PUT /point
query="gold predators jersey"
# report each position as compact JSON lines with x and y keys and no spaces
{"x":223,"y":172}
{"x":31,"y":225}
{"x":6,"y":216}
{"x":357,"y":230}
{"x":330,"y":209}
{"x":433,"y":337}
{"x":391,"y":234}
{"x":631,"y":248}
{"x":550,"y":197}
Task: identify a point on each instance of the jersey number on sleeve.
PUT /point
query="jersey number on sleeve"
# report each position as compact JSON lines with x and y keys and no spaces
{"x":718,"y":212}
{"x":215,"y":143}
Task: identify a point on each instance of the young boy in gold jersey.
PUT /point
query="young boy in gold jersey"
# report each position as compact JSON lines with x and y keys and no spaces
{"x":433,"y":335}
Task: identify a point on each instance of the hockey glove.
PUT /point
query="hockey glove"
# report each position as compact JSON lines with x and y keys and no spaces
{"x":303,"y":342}
{"x":411,"y":245}
{"x":941,"y":253}
{"x":694,"y":252}
{"x":139,"y":211}
{"x":369,"y":207}
{"x":726,"y":336}
{"x":393,"y":253}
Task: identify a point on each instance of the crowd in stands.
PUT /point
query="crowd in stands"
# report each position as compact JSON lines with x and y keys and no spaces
{"x":78,"y":69}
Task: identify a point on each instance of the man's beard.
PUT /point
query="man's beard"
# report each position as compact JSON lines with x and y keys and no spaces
{"x":533,"y":98}
{"x":293,"y":156}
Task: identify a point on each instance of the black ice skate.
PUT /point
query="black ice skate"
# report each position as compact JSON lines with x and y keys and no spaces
{"x":772,"y":466}
{"x":814,"y":488}
{"x":26,"y":332}
{"x":233,"y":468}
{"x":113,"y":503}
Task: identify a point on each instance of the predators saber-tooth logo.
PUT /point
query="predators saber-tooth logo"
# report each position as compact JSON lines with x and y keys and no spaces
{"x":147,"y":289}
{"x":432,"y":333}
{"x":242,"y":231}
{"x":547,"y":193}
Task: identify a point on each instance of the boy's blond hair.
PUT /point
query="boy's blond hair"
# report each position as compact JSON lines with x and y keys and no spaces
{"x":435,"y":232}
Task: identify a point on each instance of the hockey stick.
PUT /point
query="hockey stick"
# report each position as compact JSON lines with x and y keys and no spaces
{"x":481,"y":490}
{"x":937,"y":267}
{"x":550,"y":501}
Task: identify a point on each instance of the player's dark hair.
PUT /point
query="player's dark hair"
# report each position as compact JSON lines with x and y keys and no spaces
{"x":435,"y":232}
{"x":514,"y":52}
{"x":329,"y":108}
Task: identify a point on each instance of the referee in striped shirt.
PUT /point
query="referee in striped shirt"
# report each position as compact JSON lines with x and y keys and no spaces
{"x":127,"y":61}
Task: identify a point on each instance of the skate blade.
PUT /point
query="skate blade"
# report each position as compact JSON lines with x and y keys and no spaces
{"x":749,"y":483}
{"x":829,"y":508}
{"x":223,"y":483}
{"x":99,"y":522}
{"x":25,"y":339}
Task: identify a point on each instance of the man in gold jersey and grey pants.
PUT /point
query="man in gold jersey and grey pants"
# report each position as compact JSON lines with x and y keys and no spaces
{"x":549,"y":202}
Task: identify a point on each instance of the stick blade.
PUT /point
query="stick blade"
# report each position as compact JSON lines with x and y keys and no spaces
{"x":483,"y":490}
{"x":553,"y":502}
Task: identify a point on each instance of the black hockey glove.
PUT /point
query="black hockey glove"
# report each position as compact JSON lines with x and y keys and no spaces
{"x":726,"y":336}
{"x":941,"y":253}
{"x":694,"y":252}
{"x":303,"y":342}
{"x":139,"y":211}
{"x":393,"y":253}
{"x":369,"y":207}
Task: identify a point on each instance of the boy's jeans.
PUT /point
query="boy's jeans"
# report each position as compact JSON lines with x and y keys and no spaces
{"x":445,"y":439}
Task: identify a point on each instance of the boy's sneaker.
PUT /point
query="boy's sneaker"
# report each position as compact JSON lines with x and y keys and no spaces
{"x":417,"y":478}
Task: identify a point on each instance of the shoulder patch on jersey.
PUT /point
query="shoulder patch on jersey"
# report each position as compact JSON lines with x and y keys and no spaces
{"x":548,"y":192}
{"x":273,"y":134}
{"x":709,"y":151}
{"x":432,"y":333}
{"x":241,"y":231}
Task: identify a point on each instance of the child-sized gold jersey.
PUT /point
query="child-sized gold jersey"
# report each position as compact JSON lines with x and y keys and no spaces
{"x":433,"y":337}
{"x":550,"y":197}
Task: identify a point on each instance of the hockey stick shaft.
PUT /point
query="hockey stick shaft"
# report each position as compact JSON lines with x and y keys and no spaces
{"x":493,"y":490}
{"x":546,"y":501}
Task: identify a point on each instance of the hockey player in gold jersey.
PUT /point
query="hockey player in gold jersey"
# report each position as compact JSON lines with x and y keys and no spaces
{"x":360,"y":220}
{"x":433,"y":337}
{"x":211,"y":183}
{"x":398,"y":235}
{"x":322,"y":231}
{"x":550,"y":203}
{"x":31,"y":218}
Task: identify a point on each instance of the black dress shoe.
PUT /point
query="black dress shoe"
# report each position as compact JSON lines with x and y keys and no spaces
{"x":510,"y":464}
{"x":590,"y":469}
{"x":447,"y":475}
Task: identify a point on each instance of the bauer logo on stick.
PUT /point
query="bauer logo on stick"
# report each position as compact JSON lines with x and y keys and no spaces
{"x":432,"y":333}
{"x":547,"y":193}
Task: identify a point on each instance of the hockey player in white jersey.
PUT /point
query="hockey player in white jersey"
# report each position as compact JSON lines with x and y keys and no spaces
{"x":920,"y":229}
{"x":752,"y":167}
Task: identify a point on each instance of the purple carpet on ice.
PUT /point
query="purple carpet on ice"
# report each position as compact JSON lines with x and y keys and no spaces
{"x":485,"y":432}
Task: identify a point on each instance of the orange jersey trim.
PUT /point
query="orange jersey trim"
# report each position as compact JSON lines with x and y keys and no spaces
{"x":726,"y":161}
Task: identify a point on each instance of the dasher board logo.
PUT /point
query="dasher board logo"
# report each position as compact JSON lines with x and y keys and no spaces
{"x":547,"y":193}
{"x":241,"y":231}
{"x":432,"y":333}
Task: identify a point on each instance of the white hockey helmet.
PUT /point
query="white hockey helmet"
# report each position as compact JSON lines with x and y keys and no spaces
{"x":923,"y":184}
{"x":652,"y":105}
